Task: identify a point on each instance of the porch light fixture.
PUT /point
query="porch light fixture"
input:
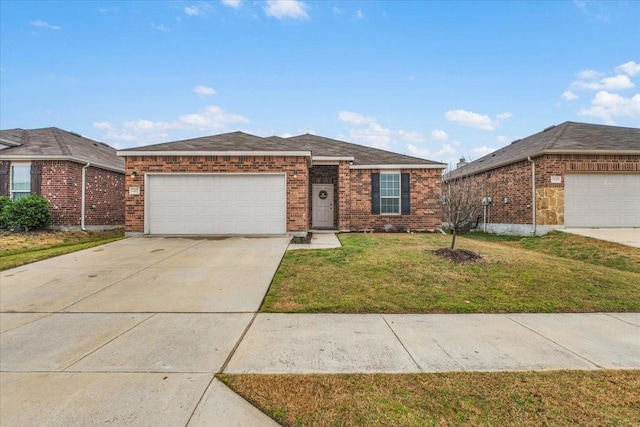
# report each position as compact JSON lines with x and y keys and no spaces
{"x":134,"y":175}
{"x":295,"y":173}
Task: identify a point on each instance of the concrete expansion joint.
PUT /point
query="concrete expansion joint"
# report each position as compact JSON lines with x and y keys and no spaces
{"x":622,"y":320}
{"x":556,"y":343}
{"x":106,"y":343}
{"x":401,"y":343}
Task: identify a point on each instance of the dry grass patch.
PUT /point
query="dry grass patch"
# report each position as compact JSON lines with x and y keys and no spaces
{"x":398,"y":273}
{"x":17,"y":249}
{"x":562,"y":398}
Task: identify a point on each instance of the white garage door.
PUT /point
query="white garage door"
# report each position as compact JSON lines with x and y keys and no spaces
{"x":602,"y":200}
{"x":216,"y":204}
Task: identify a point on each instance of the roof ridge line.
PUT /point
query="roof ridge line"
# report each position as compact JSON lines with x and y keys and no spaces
{"x":63,"y":147}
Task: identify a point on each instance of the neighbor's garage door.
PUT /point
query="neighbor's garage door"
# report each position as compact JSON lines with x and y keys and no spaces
{"x":216,"y":204}
{"x":602,"y":200}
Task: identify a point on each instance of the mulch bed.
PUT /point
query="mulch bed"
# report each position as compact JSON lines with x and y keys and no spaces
{"x":457,"y":255}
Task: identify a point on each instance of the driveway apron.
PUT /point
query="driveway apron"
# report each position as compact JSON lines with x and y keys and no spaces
{"x":131,"y":333}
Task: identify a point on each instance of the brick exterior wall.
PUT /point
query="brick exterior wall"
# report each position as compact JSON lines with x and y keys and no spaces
{"x":61,"y":183}
{"x":514,"y":182}
{"x":425,"y":199}
{"x":294,"y":167}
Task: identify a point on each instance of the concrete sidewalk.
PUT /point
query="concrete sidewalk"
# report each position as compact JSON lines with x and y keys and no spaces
{"x":319,"y":240}
{"x":396,"y":343}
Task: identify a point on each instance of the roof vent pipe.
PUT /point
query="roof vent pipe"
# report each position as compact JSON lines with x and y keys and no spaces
{"x":83,"y":196}
{"x":533,"y":195}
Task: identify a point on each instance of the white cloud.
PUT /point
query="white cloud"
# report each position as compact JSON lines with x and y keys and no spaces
{"x":192,"y":10}
{"x":630,"y":68}
{"x":444,"y":151}
{"x":103,"y":125}
{"x":411,"y":136}
{"x":204,"y":91}
{"x":282,"y":9}
{"x":359,"y":15}
{"x":502,"y":139}
{"x":201,"y":9}
{"x":589,"y":75}
{"x":569,"y":96}
{"x":504,"y":116}
{"x":159,"y":27}
{"x":618,"y":82}
{"x":232,"y":3}
{"x":209,"y":119}
{"x":607,"y":106}
{"x":337,"y":11}
{"x":367,"y":131}
{"x":468,"y":118}
{"x":354,"y":118}
{"x":483,"y":151}
{"x":40,"y":23}
{"x":439,"y":135}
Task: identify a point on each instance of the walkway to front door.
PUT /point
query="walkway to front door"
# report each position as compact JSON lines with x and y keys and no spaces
{"x":322,"y":206}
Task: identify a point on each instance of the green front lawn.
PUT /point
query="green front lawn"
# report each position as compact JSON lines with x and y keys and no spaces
{"x":399,"y":273}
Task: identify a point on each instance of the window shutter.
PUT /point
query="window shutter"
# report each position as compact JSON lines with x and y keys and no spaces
{"x":4,"y":180}
{"x":375,"y":193}
{"x":405,"y":194}
{"x":36,"y":179}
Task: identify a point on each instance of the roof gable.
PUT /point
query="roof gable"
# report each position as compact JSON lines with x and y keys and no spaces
{"x":55,"y":144}
{"x":567,"y":138}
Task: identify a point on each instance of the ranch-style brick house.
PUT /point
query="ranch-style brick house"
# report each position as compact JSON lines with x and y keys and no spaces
{"x":83,"y":179}
{"x":569,"y":175}
{"x":236,"y":183}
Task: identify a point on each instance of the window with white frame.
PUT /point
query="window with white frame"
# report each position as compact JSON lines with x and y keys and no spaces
{"x":20,"y":180}
{"x":390,"y":193}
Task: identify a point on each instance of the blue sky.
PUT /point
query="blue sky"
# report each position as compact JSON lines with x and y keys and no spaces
{"x":437,"y":80}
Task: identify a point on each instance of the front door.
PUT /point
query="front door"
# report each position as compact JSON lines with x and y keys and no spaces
{"x":322,"y":206}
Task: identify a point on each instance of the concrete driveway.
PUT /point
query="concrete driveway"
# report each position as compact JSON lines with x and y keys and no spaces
{"x":624,"y":236}
{"x":131,"y":333}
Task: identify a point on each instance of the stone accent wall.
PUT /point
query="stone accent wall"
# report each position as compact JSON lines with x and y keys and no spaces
{"x":425,"y":191}
{"x":61,"y":184}
{"x":550,"y":206}
{"x":294,"y":167}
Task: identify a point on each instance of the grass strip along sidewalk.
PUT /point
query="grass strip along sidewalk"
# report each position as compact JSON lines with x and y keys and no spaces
{"x":18,"y":249}
{"x":560,"y":398}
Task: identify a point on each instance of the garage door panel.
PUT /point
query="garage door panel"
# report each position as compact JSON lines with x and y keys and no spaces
{"x":602,"y":200}
{"x":216,"y":204}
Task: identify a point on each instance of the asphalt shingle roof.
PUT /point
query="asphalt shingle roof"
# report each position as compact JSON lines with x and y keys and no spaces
{"x":317,"y":145}
{"x":57,"y":143}
{"x":568,"y":137}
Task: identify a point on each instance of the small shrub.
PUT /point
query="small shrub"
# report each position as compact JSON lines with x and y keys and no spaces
{"x":31,"y":212}
{"x":4,"y":201}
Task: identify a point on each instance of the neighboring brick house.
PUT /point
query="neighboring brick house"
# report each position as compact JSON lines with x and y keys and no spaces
{"x":582,"y":175}
{"x":83,"y":179}
{"x":238,"y":183}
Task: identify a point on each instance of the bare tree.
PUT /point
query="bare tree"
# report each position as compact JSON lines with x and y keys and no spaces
{"x":460,"y":202}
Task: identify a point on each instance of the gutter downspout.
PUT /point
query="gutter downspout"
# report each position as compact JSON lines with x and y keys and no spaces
{"x":533,"y":194}
{"x":83,"y":197}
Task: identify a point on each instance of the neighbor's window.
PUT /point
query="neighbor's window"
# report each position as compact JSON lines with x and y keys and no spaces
{"x":390,"y":193}
{"x":20,"y":181}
